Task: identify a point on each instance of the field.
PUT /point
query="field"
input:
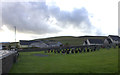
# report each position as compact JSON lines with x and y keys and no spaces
{"x":71,"y":40}
{"x":102,"y":61}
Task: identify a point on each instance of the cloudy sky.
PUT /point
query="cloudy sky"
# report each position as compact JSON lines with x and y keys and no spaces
{"x":41,"y":19}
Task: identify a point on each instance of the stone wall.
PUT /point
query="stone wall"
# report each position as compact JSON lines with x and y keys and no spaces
{"x":0,"y":66}
{"x":7,"y":62}
{"x":55,"y":48}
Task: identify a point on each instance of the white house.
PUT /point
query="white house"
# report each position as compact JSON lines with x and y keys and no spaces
{"x":54,"y":44}
{"x":0,"y":46}
{"x":4,"y":45}
{"x":107,"y":41}
{"x":38,"y":44}
{"x":26,"y":43}
{"x":115,"y":39}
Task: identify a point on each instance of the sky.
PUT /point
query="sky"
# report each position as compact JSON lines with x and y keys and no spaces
{"x":49,"y":18}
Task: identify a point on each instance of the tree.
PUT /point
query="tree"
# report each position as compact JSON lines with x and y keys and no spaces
{"x":9,"y":47}
{"x":67,"y":44}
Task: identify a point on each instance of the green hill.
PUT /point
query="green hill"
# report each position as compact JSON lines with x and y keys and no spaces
{"x":71,"y":40}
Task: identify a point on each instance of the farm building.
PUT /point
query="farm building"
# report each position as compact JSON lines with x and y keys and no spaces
{"x":94,"y":42}
{"x":38,"y":44}
{"x":4,"y":45}
{"x":0,"y":46}
{"x":54,"y":44}
{"x":13,"y":45}
{"x":25,"y":43}
{"x":107,"y":41}
{"x":115,"y":39}
{"x":32,"y":43}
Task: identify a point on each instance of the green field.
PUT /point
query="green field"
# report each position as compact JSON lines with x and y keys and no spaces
{"x":102,"y":61}
{"x":71,"y":40}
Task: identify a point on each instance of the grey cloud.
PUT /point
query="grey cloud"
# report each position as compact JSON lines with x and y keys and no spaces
{"x":98,"y":32}
{"x":27,"y":17}
{"x":33,"y":17}
{"x":0,"y":15}
{"x":78,"y":18}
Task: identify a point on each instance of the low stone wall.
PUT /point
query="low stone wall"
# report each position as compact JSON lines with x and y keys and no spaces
{"x":0,"y":66}
{"x":56,"y":48}
{"x":7,"y":62}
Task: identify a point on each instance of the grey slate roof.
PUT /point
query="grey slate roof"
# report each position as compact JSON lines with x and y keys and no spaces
{"x":26,"y":42}
{"x":109,"y":40}
{"x":85,"y":42}
{"x":96,"y":41}
{"x":114,"y":37}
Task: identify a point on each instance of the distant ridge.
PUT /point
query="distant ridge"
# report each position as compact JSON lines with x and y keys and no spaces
{"x":72,"y":40}
{"x":71,"y":37}
{"x":90,"y":36}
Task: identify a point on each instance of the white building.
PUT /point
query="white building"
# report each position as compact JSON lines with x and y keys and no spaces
{"x":4,"y":45}
{"x":0,"y":46}
{"x":115,"y":39}
{"x":54,"y":44}
{"x":38,"y":44}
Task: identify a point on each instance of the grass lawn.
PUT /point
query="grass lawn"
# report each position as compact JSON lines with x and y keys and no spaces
{"x":102,"y":61}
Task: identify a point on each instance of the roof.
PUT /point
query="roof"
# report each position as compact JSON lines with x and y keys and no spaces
{"x":119,"y":39}
{"x":85,"y":42}
{"x":96,"y":41}
{"x":109,"y":40}
{"x":51,"y":43}
{"x":26,"y":42}
{"x":115,"y":37}
{"x":37,"y":43}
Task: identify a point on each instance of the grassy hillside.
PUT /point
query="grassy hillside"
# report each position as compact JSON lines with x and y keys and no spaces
{"x":72,"y":40}
{"x":103,"y":61}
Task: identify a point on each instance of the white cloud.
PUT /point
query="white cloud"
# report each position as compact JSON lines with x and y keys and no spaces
{"x":102,"y":15}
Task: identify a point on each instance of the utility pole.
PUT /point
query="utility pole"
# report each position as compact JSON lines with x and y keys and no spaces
{"x":15,"y":33}
{"x":15,"y":36}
